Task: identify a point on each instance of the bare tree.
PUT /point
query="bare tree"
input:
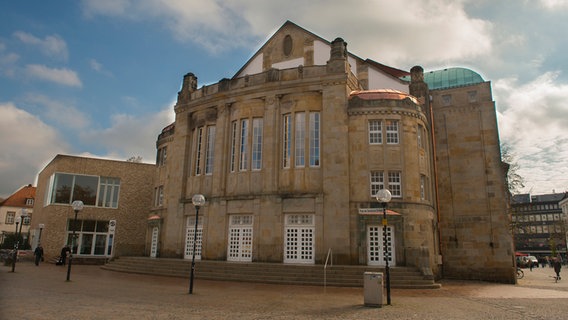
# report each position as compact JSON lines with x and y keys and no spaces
{"x":514,"y":181}
{"x":137,"y":159}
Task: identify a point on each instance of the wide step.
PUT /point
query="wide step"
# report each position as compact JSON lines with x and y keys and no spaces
{"x":275,"y":273}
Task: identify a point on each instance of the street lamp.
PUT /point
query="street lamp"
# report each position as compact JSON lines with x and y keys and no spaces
{"x":20,"y":221}
{"x":384,"y":196}
{"x":77,"y":206}
{"x":198,"y":200}
{"x":41,"y":226}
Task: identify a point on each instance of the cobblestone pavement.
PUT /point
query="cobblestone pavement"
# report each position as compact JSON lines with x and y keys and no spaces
{"x":42,"y":293}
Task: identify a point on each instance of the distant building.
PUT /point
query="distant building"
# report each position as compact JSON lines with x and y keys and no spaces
{"x":116,"y":197}
{"x":11,"y":209}
{"x":291,"y":151}
{"x":540,"y":224}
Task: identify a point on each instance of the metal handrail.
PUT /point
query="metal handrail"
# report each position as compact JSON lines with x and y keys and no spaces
{"x":330,"y":259}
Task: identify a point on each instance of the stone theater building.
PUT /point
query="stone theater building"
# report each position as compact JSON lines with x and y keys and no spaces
{"x":291,"y":150}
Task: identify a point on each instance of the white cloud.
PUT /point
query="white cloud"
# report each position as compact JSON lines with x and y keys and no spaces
{"x":105,"y":7}
{"x":61,"y":76}
{"x":98,"y":67}
{"x":389,"y":31}
{"x":32,"y":143}
{"x":555,"y":4}
{"x":64,"y":114}
{"x":533,"y":122}
{"x":131,"y":135}
{"x":28,"y":143}
{"x":53,"y":46}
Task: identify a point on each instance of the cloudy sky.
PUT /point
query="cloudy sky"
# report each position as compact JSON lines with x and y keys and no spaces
{"x":100,"y":77}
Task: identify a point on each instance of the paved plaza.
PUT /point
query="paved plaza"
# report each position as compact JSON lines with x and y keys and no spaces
{"x":42,"y":293}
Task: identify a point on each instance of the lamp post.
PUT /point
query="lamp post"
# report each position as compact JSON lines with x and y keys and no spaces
{"x":198,"y":200}
{"x":384,"y":196}
{"x":15,"y":251}
{"x":77,"y":206}
{"x":20,"y":221}
{"x":41,"y":226}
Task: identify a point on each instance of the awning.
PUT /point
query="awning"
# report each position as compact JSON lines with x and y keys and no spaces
{"x":520,"y":254}
{"x":154,"y":217}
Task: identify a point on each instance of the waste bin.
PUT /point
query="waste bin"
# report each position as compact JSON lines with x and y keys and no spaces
{"x":373,"y":289}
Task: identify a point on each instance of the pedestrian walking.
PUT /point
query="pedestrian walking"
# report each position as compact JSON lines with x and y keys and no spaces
{"x":64,"y":252}
{"x":38,"y":254}
{"x":557,"y":266}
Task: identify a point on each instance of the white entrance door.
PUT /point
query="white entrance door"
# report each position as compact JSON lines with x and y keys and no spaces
{"x":240,"y":238}
{"x":190,"y":237}
{"x":375,"y":246}
{"x":299,"y":242}
{"x":154,"y":243}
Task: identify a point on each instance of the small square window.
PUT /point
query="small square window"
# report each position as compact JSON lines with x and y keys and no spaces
{"x":447,"y":100}
{"x":472,"y":96}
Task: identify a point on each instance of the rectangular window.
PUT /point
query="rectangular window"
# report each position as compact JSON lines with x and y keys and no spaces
{"x":375,"y":132}
{"x":92,"y":190}
{"x":210,"y":152}
{"x":300,"y":136}
{"x":10,"y":216}
{"x":314,"y":139}
{"x":377,"y":182}
{"x":161,"y":156}
{"x":68,"y":188}
{"x":392,"y":131}
{"x":395,"y":186}
{"x":286,"y":140}
{"x":27,"y":219}
{"x":62,"y":185}
{"x":419,"y":132}
{"x":257,"y":124}
{"x":198,"y":143}
{"x":92,"y":237}
{"x":422,"y":187}
{"x":243,"y":163}
{"x":233,"y":145}
{"x":446,"y":100}
{"x":159,"y":196}
{"x":472,"y":96}
{"x":85,"y":189}
{"x":108,"y":192}
{"x":29,"y":202}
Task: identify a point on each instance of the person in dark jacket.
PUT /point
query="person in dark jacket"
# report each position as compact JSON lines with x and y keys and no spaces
{"x":65,"y":251}
{"x":38,"y":253}
{"x":557,"y":266}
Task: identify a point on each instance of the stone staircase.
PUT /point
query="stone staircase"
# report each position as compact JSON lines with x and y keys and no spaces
{"x":275,"y":273}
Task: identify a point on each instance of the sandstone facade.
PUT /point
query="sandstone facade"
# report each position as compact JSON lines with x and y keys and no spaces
{"x":290,"y":152}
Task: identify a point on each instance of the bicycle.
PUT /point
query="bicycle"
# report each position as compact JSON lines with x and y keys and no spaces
{"x":520,"y":273}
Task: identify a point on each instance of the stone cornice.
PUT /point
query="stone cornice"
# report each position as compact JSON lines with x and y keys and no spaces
{"x":383,"y":111}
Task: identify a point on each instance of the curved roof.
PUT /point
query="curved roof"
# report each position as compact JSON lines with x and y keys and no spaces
{"x":382,"y":94}
{"x":451,"y":77}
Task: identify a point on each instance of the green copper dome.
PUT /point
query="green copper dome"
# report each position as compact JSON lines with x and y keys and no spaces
{"x":451,"y":77}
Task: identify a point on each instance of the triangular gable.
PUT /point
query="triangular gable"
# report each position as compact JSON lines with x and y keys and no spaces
{"x":287,"y":27}
{"x":18,"y":198}
{"x":291,"y":46}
